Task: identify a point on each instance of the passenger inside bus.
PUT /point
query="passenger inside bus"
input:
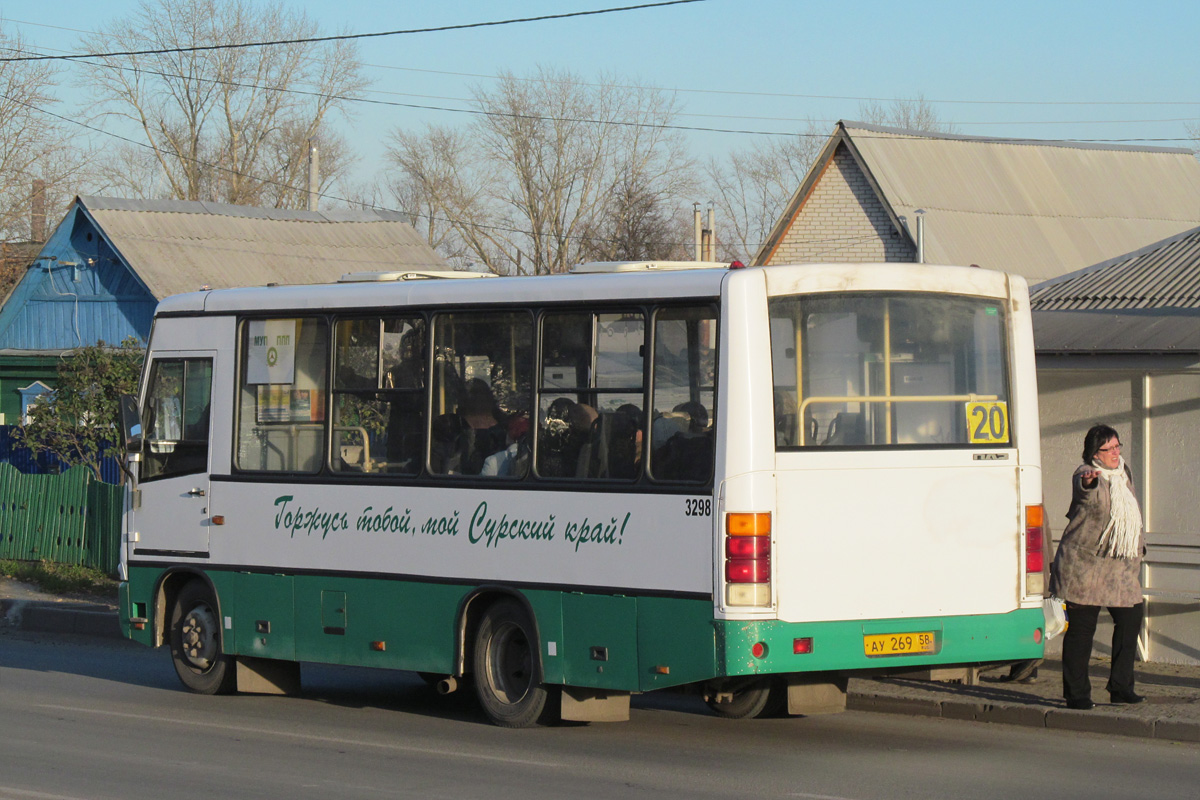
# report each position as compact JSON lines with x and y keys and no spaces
{"x":565,"y":431}
{"x":613,"y":448}
{"x":463,"y":440}
{"x":512,"y":461}
{"x":683,"y":444}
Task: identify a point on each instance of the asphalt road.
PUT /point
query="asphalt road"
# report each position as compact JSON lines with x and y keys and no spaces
{"x":98,"y":719}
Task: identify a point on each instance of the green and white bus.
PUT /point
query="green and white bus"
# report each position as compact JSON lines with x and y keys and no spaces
{"x":751,"y":483}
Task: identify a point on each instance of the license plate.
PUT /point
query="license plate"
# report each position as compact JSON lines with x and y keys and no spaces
{"x":898,"y":644}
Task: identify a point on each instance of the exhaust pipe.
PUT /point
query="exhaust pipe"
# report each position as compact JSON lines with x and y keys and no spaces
{"x":447,"y":685}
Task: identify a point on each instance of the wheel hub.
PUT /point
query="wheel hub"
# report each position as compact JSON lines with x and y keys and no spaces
{"x":199,"y":637}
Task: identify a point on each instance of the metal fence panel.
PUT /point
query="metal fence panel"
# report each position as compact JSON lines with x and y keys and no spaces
{"x":69,"y":518}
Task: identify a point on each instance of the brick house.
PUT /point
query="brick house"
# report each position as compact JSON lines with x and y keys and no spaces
{"x":1034,"y":208}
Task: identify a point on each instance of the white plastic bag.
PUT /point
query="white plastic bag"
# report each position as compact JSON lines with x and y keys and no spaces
{"x":1055,"y":612}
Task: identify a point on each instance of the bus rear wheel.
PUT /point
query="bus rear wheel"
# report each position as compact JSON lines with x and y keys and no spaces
{"x":196,"y":643}
{"x":752,"y":699}
{"x":506,"y":669}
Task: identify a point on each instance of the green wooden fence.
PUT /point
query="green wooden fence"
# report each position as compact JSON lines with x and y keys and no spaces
{"x":71,"y":518}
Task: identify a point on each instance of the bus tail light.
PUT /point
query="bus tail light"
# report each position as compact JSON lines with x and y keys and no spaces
{"x":748,"y":559}
{"x":1035,"y":549}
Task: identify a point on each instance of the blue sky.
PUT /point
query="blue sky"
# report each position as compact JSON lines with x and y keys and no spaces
{"x":1047,"y":70}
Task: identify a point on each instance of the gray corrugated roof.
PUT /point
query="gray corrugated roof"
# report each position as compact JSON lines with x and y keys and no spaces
{"x":1128,"y":331}
{"x":1165,"y":274}
{"x":1036,"y":208}
{"x":1144,"y":301}
{"x":179,"y":246}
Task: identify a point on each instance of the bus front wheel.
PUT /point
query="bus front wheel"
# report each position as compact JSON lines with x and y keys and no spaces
{"x":196,"y":643}
{"x":506,"y":668}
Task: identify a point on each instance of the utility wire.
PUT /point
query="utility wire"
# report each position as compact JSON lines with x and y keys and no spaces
{"x":688,"y":90}
{"x":656,"y":125}
{"x":351,"y":36}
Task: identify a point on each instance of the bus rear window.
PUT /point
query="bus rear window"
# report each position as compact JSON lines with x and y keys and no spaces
{"x":883,"y":370}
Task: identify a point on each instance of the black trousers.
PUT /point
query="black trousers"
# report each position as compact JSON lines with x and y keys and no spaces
{"x":1077,"y":648}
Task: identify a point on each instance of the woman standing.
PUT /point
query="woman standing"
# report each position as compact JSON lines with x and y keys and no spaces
{"x":1098,"y":564}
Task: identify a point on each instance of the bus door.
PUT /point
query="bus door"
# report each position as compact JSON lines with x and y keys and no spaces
{"x":171,"y":517}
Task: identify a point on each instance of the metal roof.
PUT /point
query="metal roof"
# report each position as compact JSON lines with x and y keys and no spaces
{"x":1139,"y":331}
{"x":1165,"y":274}
{"x":1144,"y":301}
{"x":1035,"y":208}
{"x":178,"y":246}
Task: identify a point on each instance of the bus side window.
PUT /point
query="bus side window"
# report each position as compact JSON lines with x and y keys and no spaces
{"x":177,"y":416}
{"x":681,"y":430}
{"x":481,"y":393}
{"x":281,"y":396}
{"x":591,"y":395}
{"x":379,"y":396}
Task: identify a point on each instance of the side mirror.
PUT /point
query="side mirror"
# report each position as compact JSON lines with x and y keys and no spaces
{"x":131,"y":423}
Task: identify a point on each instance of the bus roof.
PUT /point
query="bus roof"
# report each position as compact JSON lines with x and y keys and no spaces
{"x":366,"y":293}
{"x":614,"y":284}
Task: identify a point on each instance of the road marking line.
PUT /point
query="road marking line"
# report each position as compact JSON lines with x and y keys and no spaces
{"x":10,"y":792}
{"x":301,"y":736}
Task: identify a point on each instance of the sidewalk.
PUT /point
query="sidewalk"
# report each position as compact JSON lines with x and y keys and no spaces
{"x":1172,"y":692}
{"x":1171,"y":710}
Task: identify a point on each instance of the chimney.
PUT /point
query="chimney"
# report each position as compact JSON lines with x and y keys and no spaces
{"x":37,"y":212}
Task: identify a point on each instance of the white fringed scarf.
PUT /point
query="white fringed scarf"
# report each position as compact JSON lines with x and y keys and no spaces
{"x":1120,"y":538}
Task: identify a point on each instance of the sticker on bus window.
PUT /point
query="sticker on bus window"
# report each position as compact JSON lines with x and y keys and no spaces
{"x":987,"y":423}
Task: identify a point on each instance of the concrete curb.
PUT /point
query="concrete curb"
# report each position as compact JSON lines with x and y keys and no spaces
{"x":96,"y":620}
{"x":1031,"y":716}
{"x":40,"y":617}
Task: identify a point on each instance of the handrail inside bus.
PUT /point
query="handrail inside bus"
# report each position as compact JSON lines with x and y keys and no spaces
{"x":890,"y":398}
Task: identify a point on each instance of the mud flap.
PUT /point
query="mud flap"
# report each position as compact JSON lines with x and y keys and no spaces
{"x":267,"y":676}
{"x":816,"y":697}
{"x":594,"y":705}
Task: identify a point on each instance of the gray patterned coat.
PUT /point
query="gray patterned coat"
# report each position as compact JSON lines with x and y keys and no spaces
{"x":1079,"y":574}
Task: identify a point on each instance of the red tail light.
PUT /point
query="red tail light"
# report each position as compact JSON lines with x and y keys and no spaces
{"x":1035,"y":549}
{"x":748,"y":559}
{"x":748,"y":570}
{"x":748,"y":547}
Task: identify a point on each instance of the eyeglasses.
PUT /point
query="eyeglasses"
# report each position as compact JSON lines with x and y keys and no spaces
{"x":1115,"y":447}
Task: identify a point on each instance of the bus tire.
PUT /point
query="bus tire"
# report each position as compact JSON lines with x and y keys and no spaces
{"x":750,"y":700}
{"x":506,"y":668}
{"x":196,"y":643}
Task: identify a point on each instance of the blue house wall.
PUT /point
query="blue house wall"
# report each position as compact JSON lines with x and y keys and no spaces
{"x":78,"y":292}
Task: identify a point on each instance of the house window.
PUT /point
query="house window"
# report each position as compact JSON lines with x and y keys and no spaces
{"x":31,"y":395}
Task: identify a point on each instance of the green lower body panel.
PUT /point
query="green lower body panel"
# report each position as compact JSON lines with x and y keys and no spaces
{"x":600,"y":641}
{"x":880,"y":644}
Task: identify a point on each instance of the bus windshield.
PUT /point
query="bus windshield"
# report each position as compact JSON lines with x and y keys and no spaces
{"x":885,"y":370}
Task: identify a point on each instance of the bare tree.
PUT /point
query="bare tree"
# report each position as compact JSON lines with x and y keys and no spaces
{"x":442,"y":184}
{"x":230,"y":124}
{"x":640,"y":218}
{"x":546,"y":175}
{"x":34,"y":145}
{"x":751,"y":187}
{"x":915,"y":114}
